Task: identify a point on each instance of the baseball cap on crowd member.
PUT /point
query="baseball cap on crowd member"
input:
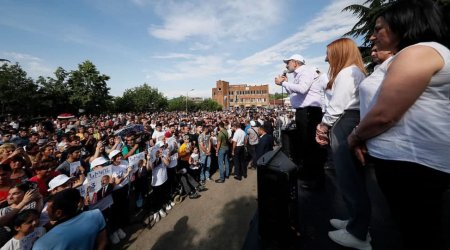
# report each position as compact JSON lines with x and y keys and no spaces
{"x":98,"y":162}
{"x":252,"y":123}
{"x":167,"y":134}
{"x":295,"y":57}
{"x":58,"y":181}
{"x":113,"y":153}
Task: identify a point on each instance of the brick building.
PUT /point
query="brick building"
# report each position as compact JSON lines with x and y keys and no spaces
{"x":241,"y":95}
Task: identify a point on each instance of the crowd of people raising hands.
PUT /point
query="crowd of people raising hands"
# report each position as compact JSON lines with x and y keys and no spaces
{"x":179,"y":154}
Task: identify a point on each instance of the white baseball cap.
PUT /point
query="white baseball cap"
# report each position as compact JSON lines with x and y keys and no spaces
{"x":98,"y":161}
{"x":58,"y":181}
{"x":295,"y":57}
{"x":252,"y":123}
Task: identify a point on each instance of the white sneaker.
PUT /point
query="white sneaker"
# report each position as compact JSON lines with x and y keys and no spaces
{"x":162,"y":213}
{"x":153,"y":219}
{"x":114,"y":238}
{"x":339,"y":224}
{"x":156,"y":217}
{"x":121,"y":234}
{"x":342,"y":224}
{"x":344,"y":238}
{"x":168,"y":207}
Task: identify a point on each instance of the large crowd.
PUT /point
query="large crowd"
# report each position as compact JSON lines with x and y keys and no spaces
{"x":91,"y":173}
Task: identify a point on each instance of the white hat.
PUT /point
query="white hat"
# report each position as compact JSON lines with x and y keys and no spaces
{"x":295,"y":57}
{"x":58,"y":181}
{"x":252,"y":123}
{"x":113,"y":153}
{"x":98,"y":161}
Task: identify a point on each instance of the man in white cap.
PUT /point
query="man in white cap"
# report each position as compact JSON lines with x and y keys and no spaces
{"x":305,"y":92}
{"x":56,"y":185}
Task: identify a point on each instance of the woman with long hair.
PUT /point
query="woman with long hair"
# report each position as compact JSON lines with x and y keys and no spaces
{"x":341,"y":116}
{"x":405,"y":126}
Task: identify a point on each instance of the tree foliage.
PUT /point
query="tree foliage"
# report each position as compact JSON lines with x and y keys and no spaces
{"x":179,"y":104}
{"x":84,"y":88}
{"x":18,"y":93}
{"x":88,"y":88}
{"x":143,"y":98}
{"x":277,"y":96}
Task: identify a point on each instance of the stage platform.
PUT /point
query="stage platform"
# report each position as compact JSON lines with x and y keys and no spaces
{"x":317,"y":207}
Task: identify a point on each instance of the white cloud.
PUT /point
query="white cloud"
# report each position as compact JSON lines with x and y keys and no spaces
{"x":174,"y":56}
{"x":261,"y":67}
{"x":33,"y":65}
{"x":330,"y":23}
{"x":215,"y":19}
{"x":200,"y":46}
{"x":196,"y":67}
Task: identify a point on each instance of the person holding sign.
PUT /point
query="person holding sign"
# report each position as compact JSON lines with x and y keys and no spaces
{"x":120,"y":207}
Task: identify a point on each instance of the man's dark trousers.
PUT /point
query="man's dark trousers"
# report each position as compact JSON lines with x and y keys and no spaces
{"x":312,"y":155}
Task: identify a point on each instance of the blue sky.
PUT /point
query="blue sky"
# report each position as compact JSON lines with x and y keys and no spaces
{"x":172,"y":45}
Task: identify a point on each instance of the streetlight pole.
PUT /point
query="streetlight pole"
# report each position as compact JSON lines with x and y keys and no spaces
{"x":187,"y":93}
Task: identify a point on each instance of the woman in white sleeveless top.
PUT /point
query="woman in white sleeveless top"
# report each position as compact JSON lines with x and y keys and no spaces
{"x":406,"y":119}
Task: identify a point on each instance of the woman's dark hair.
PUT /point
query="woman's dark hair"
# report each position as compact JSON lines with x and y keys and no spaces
{"x":416,"y":21}
{"x":23,"y":216}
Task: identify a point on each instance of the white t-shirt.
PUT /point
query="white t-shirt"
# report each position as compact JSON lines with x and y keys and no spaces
{"x":239,"y":137}
{"x":26,"y":243}
{"x":157,"y":135}
{"x":422,"y":134}
{"x":159,"y":175}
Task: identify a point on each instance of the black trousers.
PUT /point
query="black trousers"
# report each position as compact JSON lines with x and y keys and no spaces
{"x":160,"y":196}
{"x":415,"y":196}
{"x":239,"y":162}
{"x":120,"y":208}
{"x":312,"y":156}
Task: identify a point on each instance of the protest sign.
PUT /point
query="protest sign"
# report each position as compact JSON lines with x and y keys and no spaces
{"x":74,"y":167}
{"x":133,"y":161}
{"x":96,"y":180}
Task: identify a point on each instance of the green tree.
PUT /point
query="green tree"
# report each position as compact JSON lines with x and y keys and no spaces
{"x":179,"y":104}
{"x":88,"y":88}
{"x":209,"y":105}
{"x":55,"y":93}
{"x":277,"y":96}
{"x":367,"y":14}
{"x":143,"y":98}
{"x":19,"y":92}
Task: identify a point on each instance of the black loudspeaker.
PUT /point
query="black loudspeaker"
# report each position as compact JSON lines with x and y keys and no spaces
{"x":277,"y":200}
{"x":289,"y":144}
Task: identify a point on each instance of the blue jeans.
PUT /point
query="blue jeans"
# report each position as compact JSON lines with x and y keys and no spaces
{"x":224,"y":164}
{"x":205,"y":161}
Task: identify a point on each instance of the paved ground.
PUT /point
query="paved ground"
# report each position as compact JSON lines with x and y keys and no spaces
{"x":218,"y":220}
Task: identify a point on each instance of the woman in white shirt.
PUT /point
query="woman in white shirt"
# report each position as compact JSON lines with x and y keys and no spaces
{"x":406,"y":119}
{"x":341,"y":116}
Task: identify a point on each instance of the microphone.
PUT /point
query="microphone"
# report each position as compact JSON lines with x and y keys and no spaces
{"x":285,"y":73}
